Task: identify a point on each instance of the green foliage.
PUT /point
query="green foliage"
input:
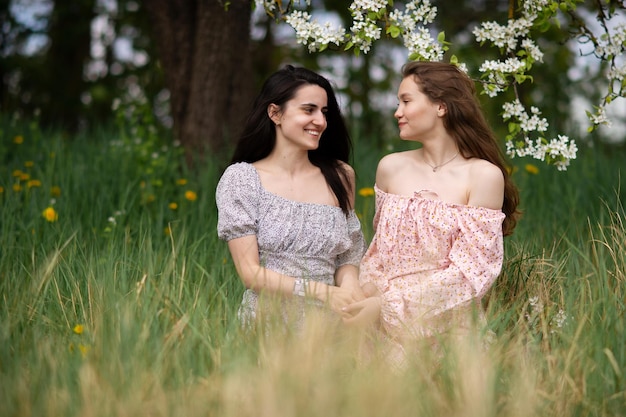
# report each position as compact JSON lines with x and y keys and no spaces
{"x":65,"y":81}
{"x":102,"y":317}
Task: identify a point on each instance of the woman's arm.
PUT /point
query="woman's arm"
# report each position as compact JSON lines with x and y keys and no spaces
{"x":347,"y":277}
{"x":245,"y":254}
{"x":486,"y":186}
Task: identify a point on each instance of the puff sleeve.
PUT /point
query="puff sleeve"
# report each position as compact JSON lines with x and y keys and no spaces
{"x":478,"y":252}
{"x":237,"y":199}
{"x":357,"y":247}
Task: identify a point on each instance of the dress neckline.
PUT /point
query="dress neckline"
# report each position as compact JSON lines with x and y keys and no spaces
{"x":419,"y":195}
{"x":280,"y":197}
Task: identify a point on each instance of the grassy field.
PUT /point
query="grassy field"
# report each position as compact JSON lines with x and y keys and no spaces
{"x":118,"y":299}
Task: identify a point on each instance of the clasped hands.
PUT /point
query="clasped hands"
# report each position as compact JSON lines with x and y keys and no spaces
{"x":358,"y":306}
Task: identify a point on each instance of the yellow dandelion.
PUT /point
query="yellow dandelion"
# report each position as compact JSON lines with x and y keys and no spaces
{"x":55,"y":191}
{"x":17,"y":173}
{"x":33,"y":183}
{"x":150,"y":198}
{"x":29,"y":164}
{"x":191,"y":195}
{"x":167,"y":231}
{"x":366,"y":192}
{"x":50,"y":214}
{"x":24,"y":176}
{"x":1,"y":190}
{"x":181,"y":181}
{"x":19,"y":139}
{"x":172,"y":206}
{"x":511,"y":169}
{"x":79,"y":329}
{"x":17,"y":187}
{"x":83,"y":349}
{"x":531,"y":169}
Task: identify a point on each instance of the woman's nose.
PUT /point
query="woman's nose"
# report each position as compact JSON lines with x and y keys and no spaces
{"x":320,"y":119}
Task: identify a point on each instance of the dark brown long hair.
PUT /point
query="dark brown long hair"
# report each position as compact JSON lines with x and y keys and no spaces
{"x":464,"y":120}
{"x":259,"y":134}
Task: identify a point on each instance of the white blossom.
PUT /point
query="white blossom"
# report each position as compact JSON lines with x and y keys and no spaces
{"x":415,"y":36}
{"x":617,"y":73}
{"x":268,"y":5}
{"x":311,"y":33}
{"x":558,"y":321}
{"x":365,"y":33}
{"x":535,"y":304}
{"x":600,"y":118}
{"x":505,"y":37}
{"x":533,"y":51}
{"x":560,"y":150}
{"x":411,"y":25}
{"x":531,"y":7}
{"x":508,"y":66}
{"x":611,"y":46}
{"x":422,"y":44}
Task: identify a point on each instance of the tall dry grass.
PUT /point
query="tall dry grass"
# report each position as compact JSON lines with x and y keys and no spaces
{"x":137,"y":315}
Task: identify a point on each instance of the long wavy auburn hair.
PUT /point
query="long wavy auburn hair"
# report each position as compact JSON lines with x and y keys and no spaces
{"x":464,"y":120}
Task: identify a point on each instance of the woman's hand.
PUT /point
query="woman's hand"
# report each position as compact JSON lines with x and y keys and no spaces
{"x":339,"y":297}
{"x":370,"y":290}
{"x":347,"y":277}
{"x":353,"y":286}
{"x":363,"y":313}
{"x":336,"y":297}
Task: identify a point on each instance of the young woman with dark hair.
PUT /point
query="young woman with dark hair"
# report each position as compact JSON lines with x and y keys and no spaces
{"x":441,"y":210}
{"x":285,"y":204}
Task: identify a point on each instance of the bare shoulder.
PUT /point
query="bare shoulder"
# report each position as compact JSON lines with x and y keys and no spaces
{"x":349,"y":173}
{"x":387,"y":166}
{"x":348,"y":169}
{"x":482,"y":170}
{"x":486,"y":185}
{"x":348,"y":177}
{"x":395,"y":158}
{"x":391,"y":162}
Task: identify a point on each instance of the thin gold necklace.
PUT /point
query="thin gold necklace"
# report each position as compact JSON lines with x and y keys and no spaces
{"x":436,"y":167}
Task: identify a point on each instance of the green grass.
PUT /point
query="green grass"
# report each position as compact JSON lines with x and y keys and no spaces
{"x":157,"y":295}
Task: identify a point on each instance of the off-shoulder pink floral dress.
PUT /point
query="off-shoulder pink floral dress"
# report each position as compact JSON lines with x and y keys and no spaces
{"x":430,"y":259}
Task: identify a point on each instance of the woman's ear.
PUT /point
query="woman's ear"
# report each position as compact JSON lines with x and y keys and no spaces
{"x":442,"y":109}
{"x":273,"y":111}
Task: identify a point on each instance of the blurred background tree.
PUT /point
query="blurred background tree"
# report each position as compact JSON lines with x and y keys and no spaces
{"x":198,"y":64}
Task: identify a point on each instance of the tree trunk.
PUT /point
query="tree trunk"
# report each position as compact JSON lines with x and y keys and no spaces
{"x":204,"y":49}
{"x":63,"y":82}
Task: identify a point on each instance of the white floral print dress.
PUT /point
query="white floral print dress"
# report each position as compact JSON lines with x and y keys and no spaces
{"x":296,"y":239}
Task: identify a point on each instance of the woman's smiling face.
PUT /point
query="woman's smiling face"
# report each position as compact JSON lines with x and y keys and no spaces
{"x":302,"y":120}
